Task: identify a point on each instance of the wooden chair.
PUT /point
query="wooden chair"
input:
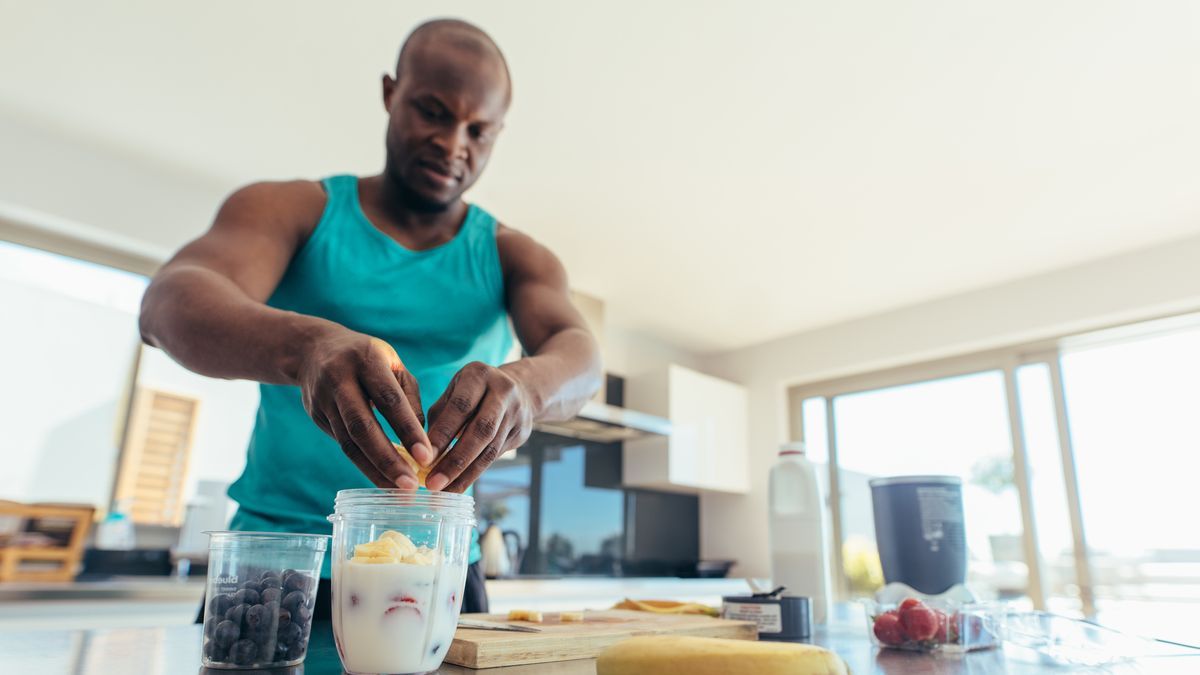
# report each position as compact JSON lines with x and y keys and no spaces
{"x":47,"y":543}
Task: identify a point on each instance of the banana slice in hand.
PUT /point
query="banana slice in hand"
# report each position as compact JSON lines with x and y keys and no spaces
{"x":421,"y":471}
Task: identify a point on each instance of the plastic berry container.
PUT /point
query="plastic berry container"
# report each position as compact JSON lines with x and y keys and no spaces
{"x":259,"y":598}
{"x":934,"y":625}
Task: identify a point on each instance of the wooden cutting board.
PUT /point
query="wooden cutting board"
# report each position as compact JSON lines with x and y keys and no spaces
{"x":560,"y":641}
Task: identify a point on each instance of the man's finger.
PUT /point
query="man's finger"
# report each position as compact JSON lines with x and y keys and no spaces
{"x":363,"y":431}
{"x":356,"y":455}
{"x":453,"y":409}
{"x":490,"y":454}
{"x":479,"y":430}
{"x":412,"y":391}
{"x":390,"y":399}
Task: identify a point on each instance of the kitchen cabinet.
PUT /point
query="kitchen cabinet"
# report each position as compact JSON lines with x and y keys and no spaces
{"x":707,"y":449}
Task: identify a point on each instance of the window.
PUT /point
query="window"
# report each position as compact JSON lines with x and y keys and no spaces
{"x":69,"y":353}
{"x":954,"y":426}
{"x":563,"y":501}
{"x":1134,"y":410}
{"x":1078,"y":458}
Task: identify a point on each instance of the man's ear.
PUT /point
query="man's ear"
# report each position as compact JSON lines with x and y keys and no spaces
{"x":389,"y":86}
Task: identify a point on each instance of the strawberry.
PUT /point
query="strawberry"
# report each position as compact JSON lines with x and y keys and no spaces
{"x":888,"y":628}
{"x":920,"y":622}
{"x":910,"y":603}
{"x":945,"y":633}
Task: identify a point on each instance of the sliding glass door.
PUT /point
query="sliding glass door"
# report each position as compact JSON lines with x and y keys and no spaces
{"x":1078,"y":458}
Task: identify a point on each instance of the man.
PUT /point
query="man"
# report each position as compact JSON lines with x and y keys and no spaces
{"x":387,"y":292}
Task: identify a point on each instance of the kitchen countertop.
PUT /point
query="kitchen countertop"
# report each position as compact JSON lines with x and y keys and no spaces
{"x":175,"y":650}
{"x":121,"y":602}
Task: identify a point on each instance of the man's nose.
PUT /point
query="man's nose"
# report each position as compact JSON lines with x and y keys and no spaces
{"x":453,"y":140}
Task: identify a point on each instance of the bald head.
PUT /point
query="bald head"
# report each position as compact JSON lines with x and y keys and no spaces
{"x":434,"y":38}
{"x":446,"y":106}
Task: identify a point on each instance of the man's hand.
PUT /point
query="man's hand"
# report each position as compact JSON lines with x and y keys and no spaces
{"x":341,"y":376}
{"x":489,"y":411}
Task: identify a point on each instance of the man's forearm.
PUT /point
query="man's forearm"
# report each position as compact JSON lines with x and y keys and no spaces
{"x":561,"y":376}
{"x":209,"y":325}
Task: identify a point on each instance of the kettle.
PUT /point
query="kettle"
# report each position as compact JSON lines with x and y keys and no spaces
{"x":498,"y":560}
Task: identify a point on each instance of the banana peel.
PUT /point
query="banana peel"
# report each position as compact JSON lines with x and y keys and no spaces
{"x":667,"y":607}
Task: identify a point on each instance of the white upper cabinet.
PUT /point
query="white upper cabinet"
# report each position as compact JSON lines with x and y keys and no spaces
{"x":707,"y":448}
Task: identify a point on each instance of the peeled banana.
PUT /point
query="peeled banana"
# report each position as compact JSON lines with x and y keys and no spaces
{"x":392,"y":547}
{"x":684,"y":655}
{"x":667,"y":607}
{"x":421,"y":471}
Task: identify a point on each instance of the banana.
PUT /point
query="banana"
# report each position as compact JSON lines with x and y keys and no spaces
{"x":667,"y":607}
{"x":421,"y":471}
{"x":393,"y":547}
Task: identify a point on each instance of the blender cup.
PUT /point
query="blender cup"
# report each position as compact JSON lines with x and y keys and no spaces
{"x":259,"y":598}
{"x":399,"y":567}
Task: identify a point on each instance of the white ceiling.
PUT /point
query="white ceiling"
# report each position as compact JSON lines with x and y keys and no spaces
{"x":721,"y":173}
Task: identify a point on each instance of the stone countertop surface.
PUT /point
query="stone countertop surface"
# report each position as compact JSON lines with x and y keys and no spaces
{"x":175,"y":650}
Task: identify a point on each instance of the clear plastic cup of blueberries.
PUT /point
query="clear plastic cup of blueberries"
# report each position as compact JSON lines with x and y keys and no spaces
{"x":259,"y":598}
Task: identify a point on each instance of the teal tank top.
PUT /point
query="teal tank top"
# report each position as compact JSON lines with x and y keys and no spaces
{"x":440,"y":309}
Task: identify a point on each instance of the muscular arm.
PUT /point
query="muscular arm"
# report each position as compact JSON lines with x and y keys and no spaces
{"x":491,"y":410}
{"x":562,"y":370}
{"x":206,"y":308}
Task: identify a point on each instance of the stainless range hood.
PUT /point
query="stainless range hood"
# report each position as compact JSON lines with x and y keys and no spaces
{"x":602,"y":423}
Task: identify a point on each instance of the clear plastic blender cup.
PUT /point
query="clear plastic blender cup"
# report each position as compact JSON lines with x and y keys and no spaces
{"x":396,"y":605}
{"x":259,"y":598}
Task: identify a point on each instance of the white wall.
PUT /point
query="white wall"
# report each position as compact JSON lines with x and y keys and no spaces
{"x":627,"y":353}
{"x":1138,"y":285}
{"x":134,"y":198}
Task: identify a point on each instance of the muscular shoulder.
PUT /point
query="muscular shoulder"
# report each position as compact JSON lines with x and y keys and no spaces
{"x":523,"y":258}
{"x":292,"y":206}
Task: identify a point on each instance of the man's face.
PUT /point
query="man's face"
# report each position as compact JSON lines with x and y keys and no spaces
{"x":445,"y":112}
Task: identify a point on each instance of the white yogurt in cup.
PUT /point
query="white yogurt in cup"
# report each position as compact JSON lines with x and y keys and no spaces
{"x":399,"y":568}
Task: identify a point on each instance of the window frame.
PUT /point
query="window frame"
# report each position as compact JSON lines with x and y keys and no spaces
{"x":1006,"y":360}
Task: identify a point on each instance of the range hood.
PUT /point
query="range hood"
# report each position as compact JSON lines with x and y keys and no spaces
{"x":603,"y":420}
{"x":602,"y":423}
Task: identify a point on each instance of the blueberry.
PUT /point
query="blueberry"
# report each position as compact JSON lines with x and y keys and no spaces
{"x":247,"y":596}
{"x":285,"y":617}
{"x":214,"y":651}
{"x":298,"y":582}
{"x":293,"y":601}
{"x":290,"y":633}
{"x":280,"y":651}
{"x":271,"y":582}
{"x":257,"y":616}
{"x":252,"y":586}
{"x":210,"y":626}
{"x":269,"y":595}
{"x":244,"y":652}
{"x":220,"y":604}
{"x":302,"y":615}
{"x":236,"y":614}
{"x":227,"y":633}
{"x":266,"y":651}
{"x":267,"y":574}
{"x":297,"y":649}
